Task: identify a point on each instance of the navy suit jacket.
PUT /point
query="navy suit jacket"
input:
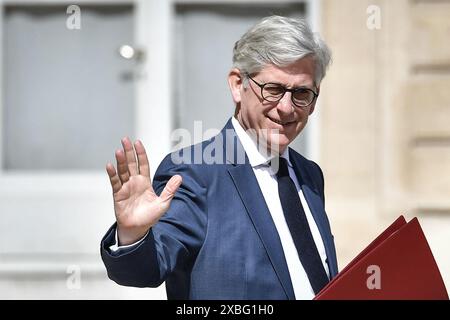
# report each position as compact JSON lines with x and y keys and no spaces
{"x":218,"y":239}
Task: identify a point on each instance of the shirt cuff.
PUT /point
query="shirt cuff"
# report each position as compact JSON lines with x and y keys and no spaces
{"x":115,"y":247}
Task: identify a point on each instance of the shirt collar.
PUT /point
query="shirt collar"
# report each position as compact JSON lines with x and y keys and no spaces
{"x":255,"y":157}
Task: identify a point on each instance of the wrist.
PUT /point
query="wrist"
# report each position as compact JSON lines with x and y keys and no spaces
{"x":127,"y":236}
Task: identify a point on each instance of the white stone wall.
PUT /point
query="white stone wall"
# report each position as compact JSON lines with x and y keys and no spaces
{"x":385,"y":120}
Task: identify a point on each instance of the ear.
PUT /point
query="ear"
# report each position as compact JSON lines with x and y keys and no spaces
{"x":311,"y":110}
{"x":235,"y":82}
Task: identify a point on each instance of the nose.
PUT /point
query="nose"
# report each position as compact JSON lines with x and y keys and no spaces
{"x":285,"y":104}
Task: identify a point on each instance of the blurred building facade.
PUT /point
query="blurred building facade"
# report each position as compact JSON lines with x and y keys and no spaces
{"x":380,"y":131}
{"x":385,"y":144}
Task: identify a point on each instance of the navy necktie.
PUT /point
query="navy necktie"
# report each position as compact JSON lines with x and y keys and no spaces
{"x":299,"y":228}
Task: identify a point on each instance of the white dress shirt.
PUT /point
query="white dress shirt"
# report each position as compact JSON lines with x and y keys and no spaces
{"x":268,"y":184}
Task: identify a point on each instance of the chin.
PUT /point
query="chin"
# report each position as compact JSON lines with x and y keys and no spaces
{"x":278,"y":142}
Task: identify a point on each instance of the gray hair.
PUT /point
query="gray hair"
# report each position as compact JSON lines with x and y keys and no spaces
{"x":280,"y":41}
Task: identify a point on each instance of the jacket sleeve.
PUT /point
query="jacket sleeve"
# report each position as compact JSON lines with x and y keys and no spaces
{"x":172,"y":243}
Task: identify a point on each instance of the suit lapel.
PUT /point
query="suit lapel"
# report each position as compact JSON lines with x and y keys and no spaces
{"x":317,"y":209}
{"x":247,"y":186}
{"x":253,"y":199}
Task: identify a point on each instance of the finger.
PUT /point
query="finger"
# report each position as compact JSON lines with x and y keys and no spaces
{"x":122,"y":167}
{"x":113,"y":178}
{"x":144,"y":167}
{"x":130,"y":155}
{"x":171,"y":188}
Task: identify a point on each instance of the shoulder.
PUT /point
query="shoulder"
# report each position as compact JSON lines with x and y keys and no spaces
{"x":310,"y":170}
{"x":195,"y":162}
{"x":306,"y":163}
{"x":195,"y":155}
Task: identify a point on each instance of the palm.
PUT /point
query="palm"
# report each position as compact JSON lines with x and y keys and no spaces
{"x":134,"y":201}
{"x":136,"y":205}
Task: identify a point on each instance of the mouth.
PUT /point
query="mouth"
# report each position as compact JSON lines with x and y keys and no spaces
{"x":282,"y":123}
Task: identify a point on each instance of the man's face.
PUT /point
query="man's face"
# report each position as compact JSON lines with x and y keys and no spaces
{"x":279,"y":122}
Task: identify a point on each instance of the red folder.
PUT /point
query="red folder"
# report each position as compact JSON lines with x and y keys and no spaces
{"x":398,"y":264}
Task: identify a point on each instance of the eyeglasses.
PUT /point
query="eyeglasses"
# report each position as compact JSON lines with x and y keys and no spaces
{"x":274,"y":92}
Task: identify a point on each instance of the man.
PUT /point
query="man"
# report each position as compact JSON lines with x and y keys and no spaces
{"x":251,"y":227}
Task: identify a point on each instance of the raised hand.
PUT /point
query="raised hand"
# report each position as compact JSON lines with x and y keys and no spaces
{"x":136,"y":205}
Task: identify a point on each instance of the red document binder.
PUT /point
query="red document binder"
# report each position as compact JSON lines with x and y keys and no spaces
{"x":398,"y":264}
